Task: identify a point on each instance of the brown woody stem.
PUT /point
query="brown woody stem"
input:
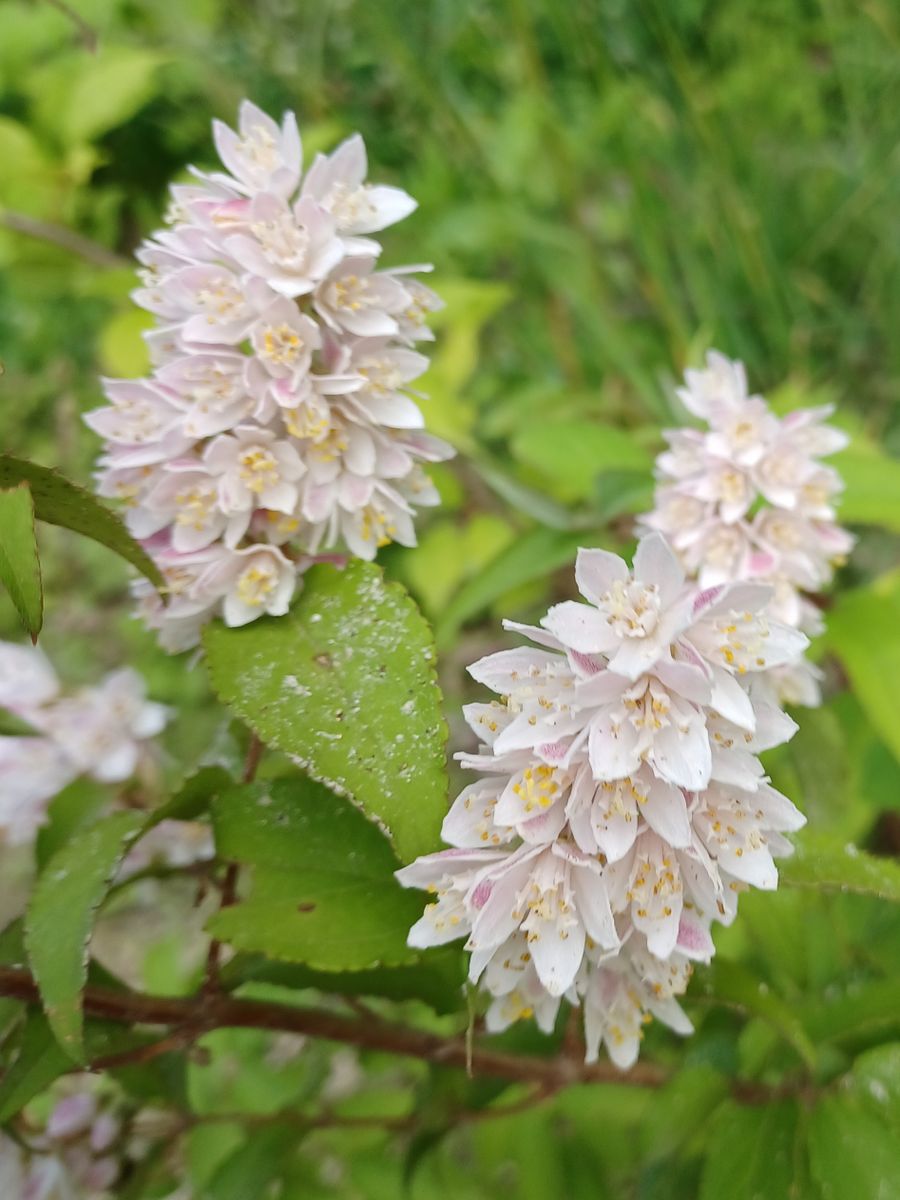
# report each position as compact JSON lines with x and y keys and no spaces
{"x":223,"y":1011}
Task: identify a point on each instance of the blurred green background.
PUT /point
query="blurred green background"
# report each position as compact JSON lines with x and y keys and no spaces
{"x":606,"y":190}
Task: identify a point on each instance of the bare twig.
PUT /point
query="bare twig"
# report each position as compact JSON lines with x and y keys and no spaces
{"x":65,"y":239}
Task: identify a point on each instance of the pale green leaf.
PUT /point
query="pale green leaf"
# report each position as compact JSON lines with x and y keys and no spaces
{"x":323,"y":891}
{"x":20,"y":566}
{"x":871,"y":493}
{"x":572,"y":455}
{"x":535,"y":555}
{"x":864,"y":632}
{"x":819,"y":863}
{"x":751,"y":1153}
{"x":875,"y":1079}
{"x":61,"y":914}
{"x":345,"y":683}
{"x":59,"y":502}
{"x":853,"y":1155}
{"x":105,"y":90}
{"x":857,"y":1012}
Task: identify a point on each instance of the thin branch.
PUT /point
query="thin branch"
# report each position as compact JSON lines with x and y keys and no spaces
{"x":178,"y":1039}
{"x":211,"y":983}
{"x":251,"y":761}
{"x":87,"y":34}
{"x":222,"y":1011}
{"x":65,"y":239}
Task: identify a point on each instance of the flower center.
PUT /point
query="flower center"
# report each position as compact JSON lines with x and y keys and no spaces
{"x":348,"y":205}
{"x":282,"y":345}
{"x":259,"y":470}
{"x":255,"y":585}
{"x":632,"y":608}
{"x":283,"y":241}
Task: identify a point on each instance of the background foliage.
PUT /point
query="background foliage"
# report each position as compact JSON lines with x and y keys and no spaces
{"x":606,"y":190}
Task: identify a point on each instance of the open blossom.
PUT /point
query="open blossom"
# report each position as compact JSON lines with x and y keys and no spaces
{"x":101,"y":731}
{"x":748,"y":497}
{"x":620,"y":807}
{"x":278,"y":420}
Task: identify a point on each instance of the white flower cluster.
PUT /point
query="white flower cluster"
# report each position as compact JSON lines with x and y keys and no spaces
{"x":749,"y":498}
{"x":86,"y":1145}
{"x":278,"y":418}
{"x":99,"y":731}
{"x":76,"y":1154}
{"x":621,"y":806}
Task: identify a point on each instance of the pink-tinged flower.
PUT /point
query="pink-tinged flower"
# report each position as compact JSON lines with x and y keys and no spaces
{"x":143,"y":418}
{"x":290,"y":248}
{"x":261,"y":156}
{"x":743,"y":830}
{"x":284,"y":340}
{"x":253,"y":581}
{"x":32,"y":771}
{"x":622,"y":994}
{"x":276,"y":338}
{"x":357,"y":300}
{"x":212,"y":387}
{"x":77,"y":1153}
{"x":254,"y":470}
{"x":620,"y":806}
{"x":748,"y":497}
{"x":337,"y":183}
{"x":27,"y":678}
{"x":552,"y":896}
{"x":103,"y":731}
{"x":512,"y":979}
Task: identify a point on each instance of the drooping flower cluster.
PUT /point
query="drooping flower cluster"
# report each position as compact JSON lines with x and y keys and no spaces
{"x":100,"y":731}
{"x":621,"y":806}
{"x":748,"y":497}
{"x":278,"y":419}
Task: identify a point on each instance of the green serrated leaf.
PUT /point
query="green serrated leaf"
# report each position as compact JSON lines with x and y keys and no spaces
{"x":77,"y":805}
{"x":60,"y":919}
{"x":39,"y":1061}
{"x":861,"y":1011}
{"x":751,"y":1153}
{"x":851,"y":1152}
{"x":60,"y":502}
{"x":20,"y":566}
{"x":819,"y":863}
{"x":345,"y":683}
{"x":323,"y":890}
{"x":681,"y":1108}
{"x":437,"y":981}
{"x":193,"y":798}
{"x":254,"y":1165}
{"x":737,"y":986}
